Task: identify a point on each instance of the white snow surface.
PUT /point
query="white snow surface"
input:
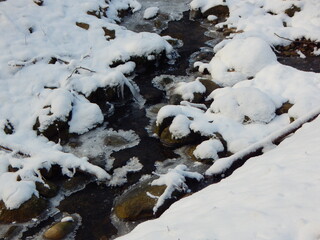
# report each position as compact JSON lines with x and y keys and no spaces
{"x":174,"y":179}
{"x":273,"y":196}
{"x":150,"y":12}
{"x":31,"y":89}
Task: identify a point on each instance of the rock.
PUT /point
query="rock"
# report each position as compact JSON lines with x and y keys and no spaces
{"x":175,"y":99}
{"x":83,"y":25}
{"x":38,"y":2}
{"x":12,"y":232}
{"x":209,"y":85}
{"x":8,"y":128}
{"x":60,"y":229}
{"x":57,"y":130}
{"x":28,"y":210}
{"x":292,"y":10}
{"x":168,"y":141}
{"x":284,"y":108}
{"x":47,"y":190}
{"x":136,"y":204}
{"x":195,"y":14}
{"x":220,"y":11}
{"x":109,"y":34}
{"x":77,"y":182}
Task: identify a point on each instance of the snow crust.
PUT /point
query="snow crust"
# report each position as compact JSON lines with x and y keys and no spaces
{"x":80,"y":55}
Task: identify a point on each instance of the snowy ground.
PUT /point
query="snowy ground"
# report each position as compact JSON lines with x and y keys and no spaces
{"x":53,"y":56}
{"x":275,"y":195}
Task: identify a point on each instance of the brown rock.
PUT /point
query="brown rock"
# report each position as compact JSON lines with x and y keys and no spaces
{"x":28,"y":210}
{"x":284,"y":108}
{"x":136,"y":204}
{"x":83,"y":25}
{"x":59,"y":230}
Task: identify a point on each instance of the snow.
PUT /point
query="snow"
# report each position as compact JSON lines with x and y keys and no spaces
{"x":240,"y":59}
{"x":237,"y":103}
{"x":174,"y":179}
{"x":187,"y":90}
{"x":151,"y":12}
{"x":119,"y":176}
{"x":67,"y":219}
{"x":273,"y":196}
{"x":208,"y":149}
{"x":80,"y":62}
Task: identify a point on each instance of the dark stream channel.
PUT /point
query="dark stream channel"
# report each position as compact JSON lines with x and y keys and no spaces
{"x":94,"y":203}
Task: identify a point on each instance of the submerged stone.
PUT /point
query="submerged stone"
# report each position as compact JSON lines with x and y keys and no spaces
{"x":47,"y":189}
{"x":60,"y":230}
{"x":168,"y":140}
{"x":136,"y":204}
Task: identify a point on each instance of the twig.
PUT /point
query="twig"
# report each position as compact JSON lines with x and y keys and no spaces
{"x":229,"y":164}
{"x":288,"y":39}
{"x":77,"y":68}
{"x":5,"y":149}
{"x":294,"y":41}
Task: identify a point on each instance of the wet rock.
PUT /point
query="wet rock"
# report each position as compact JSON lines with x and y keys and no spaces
{"x":56,"y":131}
{"x":52,"y":173}
{"x":292,"y":10}
{"x":47,"y":190}
{"x":101,"y":12}
{"x":284,"y":108}
{"x":136,"y":204}
{"x":209,"y":85}
{"x":60,"y":229}
{"x":83,"y":25}
{"x":8,"y":128}
{"x":38,"y":2}
{"x":219,"y":11}
{"x":12,"y":232}
{"x":115,"y":140}
{"x":168,"y":140}
{"x":109,"y":34}
{"x":28,"y":210}
{"x":175,"y":99}
{"x":77,"y":182}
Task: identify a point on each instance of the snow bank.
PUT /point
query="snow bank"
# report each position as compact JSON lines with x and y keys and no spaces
{"x":273,"y":196}
{"x":52,"y":57}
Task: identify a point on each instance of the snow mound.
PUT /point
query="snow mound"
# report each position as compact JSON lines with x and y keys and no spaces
{"x":240,"y":59}
{"x":150,"y":12}
{"x":238,"y":103}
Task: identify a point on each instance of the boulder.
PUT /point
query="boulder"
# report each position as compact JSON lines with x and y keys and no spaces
{"x":47,"y":190}
{"x":60,"y":229}
{"x":136,"y":204}
{"x":28,"y":210}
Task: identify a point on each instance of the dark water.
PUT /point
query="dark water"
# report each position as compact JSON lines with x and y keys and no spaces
{"x":94,"y":203}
